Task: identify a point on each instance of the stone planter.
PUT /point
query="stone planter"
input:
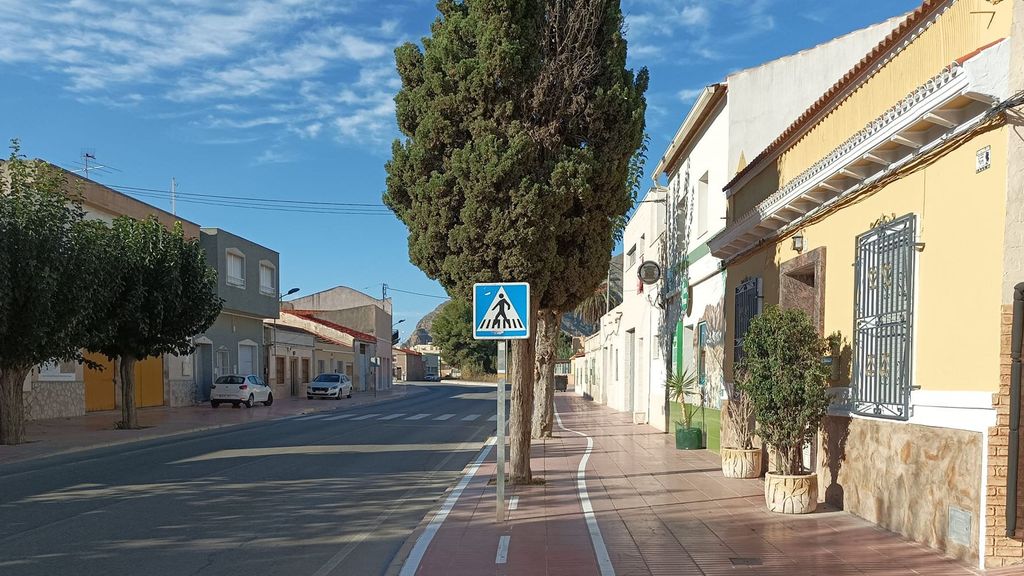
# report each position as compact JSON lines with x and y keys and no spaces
{"x":791,"y":494}
{"x":741,"y":463}
{"x":689,"y":438}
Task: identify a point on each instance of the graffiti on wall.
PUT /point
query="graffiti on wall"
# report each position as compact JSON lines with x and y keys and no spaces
{"x":712,"y":352}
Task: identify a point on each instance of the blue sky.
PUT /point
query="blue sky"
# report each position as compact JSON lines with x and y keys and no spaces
{"x":292,"y":99}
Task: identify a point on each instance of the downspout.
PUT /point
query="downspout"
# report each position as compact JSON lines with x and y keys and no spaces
{"x":1014,"y":444}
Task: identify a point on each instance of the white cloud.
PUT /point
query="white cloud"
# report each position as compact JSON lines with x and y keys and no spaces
{"x":271,"y":156}
{"x":688,"y":94}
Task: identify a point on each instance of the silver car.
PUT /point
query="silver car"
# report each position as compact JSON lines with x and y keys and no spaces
{"x":329,"y":385}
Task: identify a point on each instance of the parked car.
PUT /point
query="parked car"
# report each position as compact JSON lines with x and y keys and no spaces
{"x":238,"y":390}
{"x":431,"y":378}
{"x":329,"y":385}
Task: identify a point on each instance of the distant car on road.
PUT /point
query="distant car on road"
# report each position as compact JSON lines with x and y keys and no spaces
{"x":329,"y":385}
{"x":236,"y":389}
{"x":431,"y":378}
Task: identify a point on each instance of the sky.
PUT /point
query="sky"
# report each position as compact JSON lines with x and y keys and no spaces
{"x":293,"y":100}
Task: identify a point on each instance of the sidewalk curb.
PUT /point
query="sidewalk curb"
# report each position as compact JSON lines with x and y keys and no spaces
{"x":400,"y":557}
{"x":413,"y":392}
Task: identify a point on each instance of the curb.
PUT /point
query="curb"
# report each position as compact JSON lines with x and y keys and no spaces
{"x":205,"y":428}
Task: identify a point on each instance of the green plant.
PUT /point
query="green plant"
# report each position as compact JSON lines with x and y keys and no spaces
{"x":739,"y":419}
{"x":680,"y":385}
{"x":785,"y":382}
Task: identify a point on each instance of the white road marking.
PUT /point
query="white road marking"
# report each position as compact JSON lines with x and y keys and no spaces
{"x":502,"y":556}
{"x":444,"y":416}
{"x":366,"y":416}
{"x":493,"y":418}
{"x":392,"y":416}
{"x":604,"y":563}
{"x":418,"y":417}
{"x":513,"y":503}
{"x":470,"y":417}
{"x":412,"y":563}
{"x":313,"y":417}
{"x":338,"y":417}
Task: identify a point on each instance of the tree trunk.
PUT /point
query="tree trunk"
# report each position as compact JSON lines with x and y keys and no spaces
{"x":125,"y":366}
{"x":548,"y":328}
{"x":521,"y":409}
{"x":12,"y":405}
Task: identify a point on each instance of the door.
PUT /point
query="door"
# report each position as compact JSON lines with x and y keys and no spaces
{"x":246,"y":359}
{"x":630,"y":363}
{"x":149,"y":382}
{"x":99,"y":384}
{"x":294,"y":372}
{"x":279,"y":370}
{"x":305,"y":370}
{"x":204,"y":371}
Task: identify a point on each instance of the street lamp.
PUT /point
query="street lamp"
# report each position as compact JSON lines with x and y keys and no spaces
{"x":288,"y":293}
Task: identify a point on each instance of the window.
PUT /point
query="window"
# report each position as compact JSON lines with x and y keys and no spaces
{"x":748,"y":305}
{"x":223,"y":364}
{"x":56,"y":370}
{"x":268,"y":280}
{"x":236,"y":268}
{"x":643,"y":245}
{"x":247,"y":359}
{"x":631,"y":257}
{"x":328,"y":378}
{"x":702,"y":345}
{"x":319,"y":366}
{"x":702,"y":205}
{"x":884,"y":319}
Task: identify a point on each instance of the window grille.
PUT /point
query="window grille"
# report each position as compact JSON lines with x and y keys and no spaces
{"x":748,"y":305}
{"x":884,"y":319}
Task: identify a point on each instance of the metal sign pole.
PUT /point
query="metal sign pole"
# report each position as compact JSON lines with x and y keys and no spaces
{"x":500,"y":472}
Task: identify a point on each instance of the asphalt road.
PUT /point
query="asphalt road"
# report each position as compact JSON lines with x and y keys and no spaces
{"x":295,"y":496}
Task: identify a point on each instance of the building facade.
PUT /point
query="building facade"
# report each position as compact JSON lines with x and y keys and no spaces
{"x":858,"y":213}
{"x":290,"y":354}
{"x":247,"y":281}
{"x":408,"y":365}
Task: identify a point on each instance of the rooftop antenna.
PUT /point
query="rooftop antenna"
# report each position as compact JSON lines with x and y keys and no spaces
{"x":90,"y":164}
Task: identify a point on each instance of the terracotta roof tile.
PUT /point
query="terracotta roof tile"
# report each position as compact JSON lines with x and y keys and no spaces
{"x":311,"y":316}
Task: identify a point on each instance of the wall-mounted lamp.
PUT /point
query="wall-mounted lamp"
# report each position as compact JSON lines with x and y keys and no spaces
{"x":798,"y":242}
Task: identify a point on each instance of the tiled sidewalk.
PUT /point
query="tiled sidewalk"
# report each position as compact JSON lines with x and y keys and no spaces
{"x":96,"y":429}
{"x":660,"y":511}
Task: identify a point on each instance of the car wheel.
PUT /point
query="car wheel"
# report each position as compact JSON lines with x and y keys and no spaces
{"x":249,"y":401}
{"x":349,"y":394}
{"x":214,"y":403}
{"x":308,"y":397}
{"x":270,"y":400}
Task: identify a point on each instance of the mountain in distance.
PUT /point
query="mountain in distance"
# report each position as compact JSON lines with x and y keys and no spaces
{"x":421,"y":334}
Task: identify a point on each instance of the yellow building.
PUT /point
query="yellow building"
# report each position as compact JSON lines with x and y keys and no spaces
{"x":890,"y":211}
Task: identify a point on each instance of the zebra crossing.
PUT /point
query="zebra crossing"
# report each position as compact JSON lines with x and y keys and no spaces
{"x":332,"y":416}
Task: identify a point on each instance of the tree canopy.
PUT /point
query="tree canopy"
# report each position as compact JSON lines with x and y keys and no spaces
{"x":452,"y":331}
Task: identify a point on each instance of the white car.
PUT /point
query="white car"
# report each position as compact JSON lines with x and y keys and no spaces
{"x":329,"y":385}
{"x":238,"y":390}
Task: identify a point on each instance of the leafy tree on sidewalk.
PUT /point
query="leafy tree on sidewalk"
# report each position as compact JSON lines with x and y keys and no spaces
{"x":509,"y":141}
{"x":452,"y":331}
{"x":50,"y":293}
{"x":164,"y":293}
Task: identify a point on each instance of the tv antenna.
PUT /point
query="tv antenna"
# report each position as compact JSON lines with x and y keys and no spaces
{"x":88,"y":163}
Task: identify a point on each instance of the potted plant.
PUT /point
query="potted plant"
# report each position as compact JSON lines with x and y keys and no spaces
{"x":784,"y":379}
{"x":739,"y":458}
{"x":679,"y":385}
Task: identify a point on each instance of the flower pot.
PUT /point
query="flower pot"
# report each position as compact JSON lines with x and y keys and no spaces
{"x":741,"y":463}
{"x":787,"y":494}
{"x":689,"y":438}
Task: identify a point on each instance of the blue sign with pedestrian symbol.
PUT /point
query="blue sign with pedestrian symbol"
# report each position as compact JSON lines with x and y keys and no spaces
{"x":501,"y":311}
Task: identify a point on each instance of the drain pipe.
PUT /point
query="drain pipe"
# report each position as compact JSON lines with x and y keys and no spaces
{"x":1014,"y":444}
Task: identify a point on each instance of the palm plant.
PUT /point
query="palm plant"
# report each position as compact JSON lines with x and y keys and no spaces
{"x":680,"y":385}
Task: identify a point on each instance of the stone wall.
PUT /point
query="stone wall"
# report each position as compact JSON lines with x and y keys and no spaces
{"x":54,"y":400}
{"x":181,"y":393}
{"x":904,"y":477}
{"x":1001,"y":550}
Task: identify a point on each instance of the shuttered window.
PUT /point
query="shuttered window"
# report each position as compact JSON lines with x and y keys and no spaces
{"x":236,"y":268}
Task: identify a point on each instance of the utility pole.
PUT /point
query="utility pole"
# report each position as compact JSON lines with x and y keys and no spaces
{"x":174,"y":190}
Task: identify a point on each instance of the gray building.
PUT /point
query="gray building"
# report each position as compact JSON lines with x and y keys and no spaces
{"x":248,"y":283}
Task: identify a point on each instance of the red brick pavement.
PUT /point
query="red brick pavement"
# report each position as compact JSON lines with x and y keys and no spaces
{"x":660,"y":511}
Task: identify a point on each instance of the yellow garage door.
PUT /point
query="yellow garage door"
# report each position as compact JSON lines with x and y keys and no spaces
{"x":149,"y":382}
{"x":99,"y":385}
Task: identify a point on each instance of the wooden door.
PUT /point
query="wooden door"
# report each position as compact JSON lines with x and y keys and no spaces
{"x":305,"y":370}
{"x":149,"y":382}
{"x":99,"y":385}
{"x":279,"y":369}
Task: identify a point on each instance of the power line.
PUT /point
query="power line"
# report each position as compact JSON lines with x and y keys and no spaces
{"x":272,"y":208}
{"x":418,"y":293}
{"x":250,"y":198}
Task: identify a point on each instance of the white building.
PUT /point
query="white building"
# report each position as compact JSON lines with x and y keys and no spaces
{"x":727,"y":123}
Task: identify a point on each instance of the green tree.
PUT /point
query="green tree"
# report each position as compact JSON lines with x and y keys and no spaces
{"x":164,"y":293}
{"x":519,"y":121}
{"x":452,"y":331}
{"x":784,"y":379}
{"x":50,"y":292}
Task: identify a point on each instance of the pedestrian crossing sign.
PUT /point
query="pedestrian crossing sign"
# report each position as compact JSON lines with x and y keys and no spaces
{"x":501,"y":311}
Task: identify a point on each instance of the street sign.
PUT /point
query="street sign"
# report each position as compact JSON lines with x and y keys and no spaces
{"x":501,"y":311}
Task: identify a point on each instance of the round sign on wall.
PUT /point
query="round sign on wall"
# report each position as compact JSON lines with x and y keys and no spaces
{"x":649,"y":272}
